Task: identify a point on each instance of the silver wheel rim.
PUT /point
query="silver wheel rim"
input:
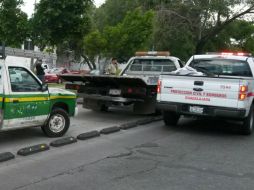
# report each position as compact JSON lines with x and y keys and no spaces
{"x":56,"y":123}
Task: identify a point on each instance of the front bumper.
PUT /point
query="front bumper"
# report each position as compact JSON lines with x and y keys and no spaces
{"x":76,"y":111}
{"x":209,"y":111}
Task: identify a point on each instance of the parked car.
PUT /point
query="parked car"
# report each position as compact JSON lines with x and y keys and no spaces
{"x":27,"y":102}
{"x":52,"y":76}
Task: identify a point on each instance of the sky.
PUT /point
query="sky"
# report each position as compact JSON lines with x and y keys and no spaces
{"x":28,"y":6}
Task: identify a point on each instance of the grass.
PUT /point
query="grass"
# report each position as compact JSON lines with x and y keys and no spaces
{"x":55,"y":85}
{"x":61,"y":86}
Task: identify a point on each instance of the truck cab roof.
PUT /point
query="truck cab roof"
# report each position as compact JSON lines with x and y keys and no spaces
{"x":220,"y":56}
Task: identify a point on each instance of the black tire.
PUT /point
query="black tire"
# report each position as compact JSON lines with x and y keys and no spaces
{"x":247,"y":126}
{"x":170,"y":118}
{"x":57,"y":114}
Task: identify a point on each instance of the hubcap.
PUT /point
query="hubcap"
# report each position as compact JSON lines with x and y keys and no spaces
{"x":57,"y":123}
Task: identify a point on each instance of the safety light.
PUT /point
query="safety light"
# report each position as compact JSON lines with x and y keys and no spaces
{"x":153,"y":53}
{"x":243,"y":88}
{"x":243,"y":92}
{"x":228,"y":53}
{"x":236,"y":53}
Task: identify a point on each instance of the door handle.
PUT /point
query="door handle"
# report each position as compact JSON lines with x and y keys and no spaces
{"x":198,"y":89}
{"x":199,"y":83}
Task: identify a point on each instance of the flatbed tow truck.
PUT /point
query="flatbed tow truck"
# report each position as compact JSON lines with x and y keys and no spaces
{"x":135,"y":86}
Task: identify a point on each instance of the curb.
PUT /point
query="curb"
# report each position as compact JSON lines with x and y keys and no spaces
{"x":128,"y":125}
{"x":88,"y":135}
{"x":33,"y":149}
{"x":6,"y":156}
{"x":63,"y":141}
{"x":110,"y":130}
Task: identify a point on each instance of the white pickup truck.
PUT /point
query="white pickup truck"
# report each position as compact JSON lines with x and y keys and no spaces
{"x":215,"y":85}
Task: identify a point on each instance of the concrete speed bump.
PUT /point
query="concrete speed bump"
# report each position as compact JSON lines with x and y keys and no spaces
{"x":33,"y":149}
{"x":128,"y":125}
{"x":88,"y":135}
{"x":109,"y":130}
{"x":63,"y":141}
{"x":6,"y":156}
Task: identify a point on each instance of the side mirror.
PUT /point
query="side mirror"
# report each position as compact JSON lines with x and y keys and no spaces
{"x":44,"y":87}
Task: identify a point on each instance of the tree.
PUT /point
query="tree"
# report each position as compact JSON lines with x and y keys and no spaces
{"x":121,"y":41}
{"x":14,"y":27}
{"x":205,"y":19}
{"x":94,"y":44}
{"x":113,"y":12}
{"x":62,"y":23}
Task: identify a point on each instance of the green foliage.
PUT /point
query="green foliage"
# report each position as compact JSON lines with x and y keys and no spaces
{"x":94,"y":44}
{"x":14,"y":26}
{"x":124,"y":39}
{"x":61,"y":21}
{"x":197,"y":26}
{"x":113,"y":12}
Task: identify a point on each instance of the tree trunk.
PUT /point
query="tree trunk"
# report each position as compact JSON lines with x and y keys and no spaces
{"x":200,"y":47}
{"x":62,"y":57}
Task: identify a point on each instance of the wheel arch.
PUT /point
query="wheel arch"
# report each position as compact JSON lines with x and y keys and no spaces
{"x":61,"y":105}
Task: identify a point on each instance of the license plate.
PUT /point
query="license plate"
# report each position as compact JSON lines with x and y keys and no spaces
{"x":196,"y":109}
{"x":114,"y":92}
{"x":152,"y":80}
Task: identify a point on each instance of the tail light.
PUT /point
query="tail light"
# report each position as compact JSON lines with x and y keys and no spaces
{"x":72,"y":86}
{"x":130,"y":90}
{"x":243,"y":92}
{"x":159,"y":87}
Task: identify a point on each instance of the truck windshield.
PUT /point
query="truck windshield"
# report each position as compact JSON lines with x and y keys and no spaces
{"x":222,"y":67}
{"x":152,"y":65}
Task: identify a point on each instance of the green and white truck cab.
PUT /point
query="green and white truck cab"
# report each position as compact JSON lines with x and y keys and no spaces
{"x":26,"y":102}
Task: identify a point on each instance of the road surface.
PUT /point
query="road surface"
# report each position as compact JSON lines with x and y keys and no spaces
{"x":197,"y":154}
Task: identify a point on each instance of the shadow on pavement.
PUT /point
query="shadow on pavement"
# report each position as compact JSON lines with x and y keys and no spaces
{"x":208,"y":127}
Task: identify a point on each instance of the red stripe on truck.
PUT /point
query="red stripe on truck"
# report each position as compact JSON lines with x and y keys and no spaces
{"x":250,"y":94}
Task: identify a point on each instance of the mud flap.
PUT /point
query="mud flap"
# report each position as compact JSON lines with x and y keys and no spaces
{"x":146,"y":107}
{"x":93,"y":104}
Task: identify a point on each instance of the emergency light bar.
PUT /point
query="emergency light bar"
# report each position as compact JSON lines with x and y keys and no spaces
{"x":230,"y":53}
{"x":153,"y":53}
{"x":2,"y":52}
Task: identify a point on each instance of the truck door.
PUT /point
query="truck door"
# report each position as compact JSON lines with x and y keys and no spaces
{"x":26,"y":104}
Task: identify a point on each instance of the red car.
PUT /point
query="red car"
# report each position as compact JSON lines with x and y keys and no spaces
{"x":52,"y":75}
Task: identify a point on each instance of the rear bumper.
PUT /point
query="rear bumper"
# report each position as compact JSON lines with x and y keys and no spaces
{"x":209,"y":111}
{"x":108,"y":98}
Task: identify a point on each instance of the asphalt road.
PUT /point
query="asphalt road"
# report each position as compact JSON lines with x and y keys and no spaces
{"x":86,"y":120}
{"x":198,"y":154}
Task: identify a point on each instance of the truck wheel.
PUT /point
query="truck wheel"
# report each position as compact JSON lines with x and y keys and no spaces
{"x":57,"y":124}
{"x":248,"y":123}
{"x":170,"y":118}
